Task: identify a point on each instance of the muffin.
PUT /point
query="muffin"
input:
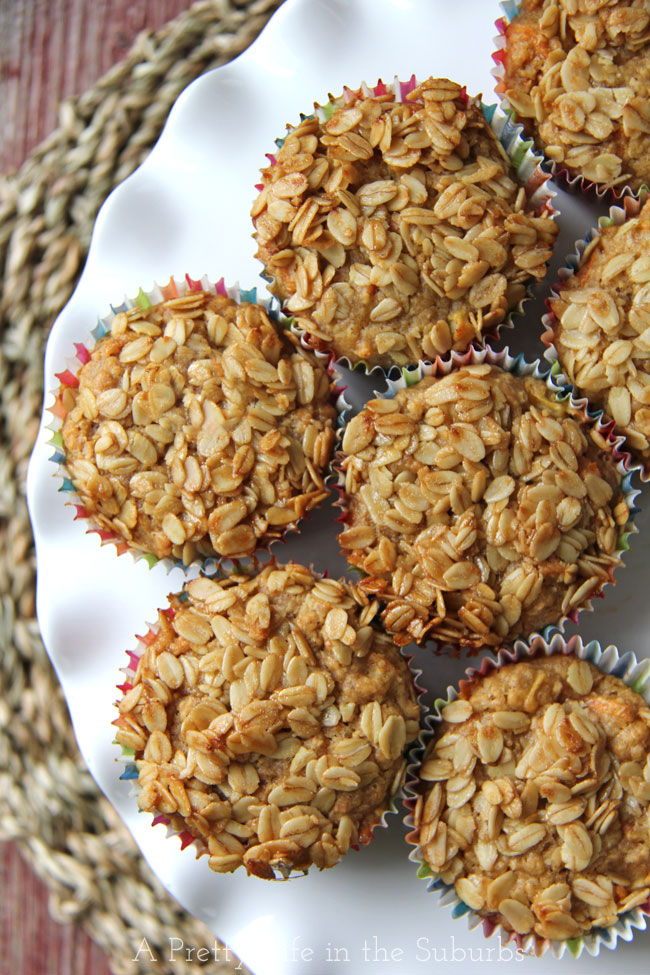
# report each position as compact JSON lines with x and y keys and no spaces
{"x":479,"y":506}
{"x":600,"y":326}
{"x":534,"y":798}
{"x":394,"y":231}
{"x":576,"y":74}
{"x":198,"y":427}
{"x":269,"y":719}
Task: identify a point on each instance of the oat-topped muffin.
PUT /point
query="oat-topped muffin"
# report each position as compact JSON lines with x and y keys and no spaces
{"x":535,"y":796}
{"x":396,"y":231}
{"x":479,"y":507}
{"x":576,"y":73}
{"x":269,"y":719}
{"x":199,"y":427}
{"x":602,"y":328}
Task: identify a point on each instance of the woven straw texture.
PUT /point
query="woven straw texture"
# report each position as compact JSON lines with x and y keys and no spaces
{"x":48,"y":802}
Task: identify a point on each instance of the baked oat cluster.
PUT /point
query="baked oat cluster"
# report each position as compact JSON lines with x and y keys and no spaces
{"x":602,"y":331}
{"x":479,"y":507}
{"x":535,"y":797}
{"x":269,"y":718}
{"x":577,"y":75}
{"x":396,"y":231}
{"x":199,"y":427}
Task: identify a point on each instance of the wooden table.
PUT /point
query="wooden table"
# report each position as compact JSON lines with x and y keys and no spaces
{"x":51,"y":49}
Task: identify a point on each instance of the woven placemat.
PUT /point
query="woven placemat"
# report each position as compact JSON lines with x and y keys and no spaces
{"x":49,"y":804}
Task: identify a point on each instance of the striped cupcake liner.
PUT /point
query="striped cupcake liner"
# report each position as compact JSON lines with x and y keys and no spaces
{"x":526,"y":163}
{"x":629,"y":207}
{"x":519,"y":366}
{"x":127,"y":757}
{"x":636,"y":675}
{"x":67,"y":379}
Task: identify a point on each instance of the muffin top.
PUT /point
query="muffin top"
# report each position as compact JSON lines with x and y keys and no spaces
{"x":395,"y":231}
{"x":269,"y":718}
{"x":602,"y":328}
{"x":576,"y":74}
{"x":534,"y":797}
{"x":479,"y":506}
{"x":199,"y":427}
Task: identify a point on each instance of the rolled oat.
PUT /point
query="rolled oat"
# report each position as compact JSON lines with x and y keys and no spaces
{"x":198,"y":427}
{"x":601,"y":328}
{"x":478,"y":506}
{"x":552,"y":836}
{"x":576,"y":73}
{"x":395,"y":231}
{"x":269,"y":719}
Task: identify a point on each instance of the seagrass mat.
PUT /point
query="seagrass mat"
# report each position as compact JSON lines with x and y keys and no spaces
{"x":49,"y":804}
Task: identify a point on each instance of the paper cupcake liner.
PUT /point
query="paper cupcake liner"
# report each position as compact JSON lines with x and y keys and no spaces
{"x":127,"y":759}
{"x":574,"y":184}
{"x":629,"y":207}
{"x":526,"y":163}
{"x":67,"y":378}
{"x":519,"y":366}
{"x":636,"y":675}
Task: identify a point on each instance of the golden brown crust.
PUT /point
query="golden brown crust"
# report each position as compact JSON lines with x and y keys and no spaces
{"x":538,"y":811}
{"x":397,"y":231}
{"x":479,"y":507}
{"x":577,"y":74}
{"x":602,"y":329}
{"x":198,"y":428}
{"x":269,"y":719}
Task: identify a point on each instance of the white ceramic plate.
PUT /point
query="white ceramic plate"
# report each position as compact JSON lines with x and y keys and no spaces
{"x":186,"y":209}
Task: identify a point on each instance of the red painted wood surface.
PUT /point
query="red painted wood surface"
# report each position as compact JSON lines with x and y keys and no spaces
{"x":31,"y":942}
{"x":50,"y":49}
